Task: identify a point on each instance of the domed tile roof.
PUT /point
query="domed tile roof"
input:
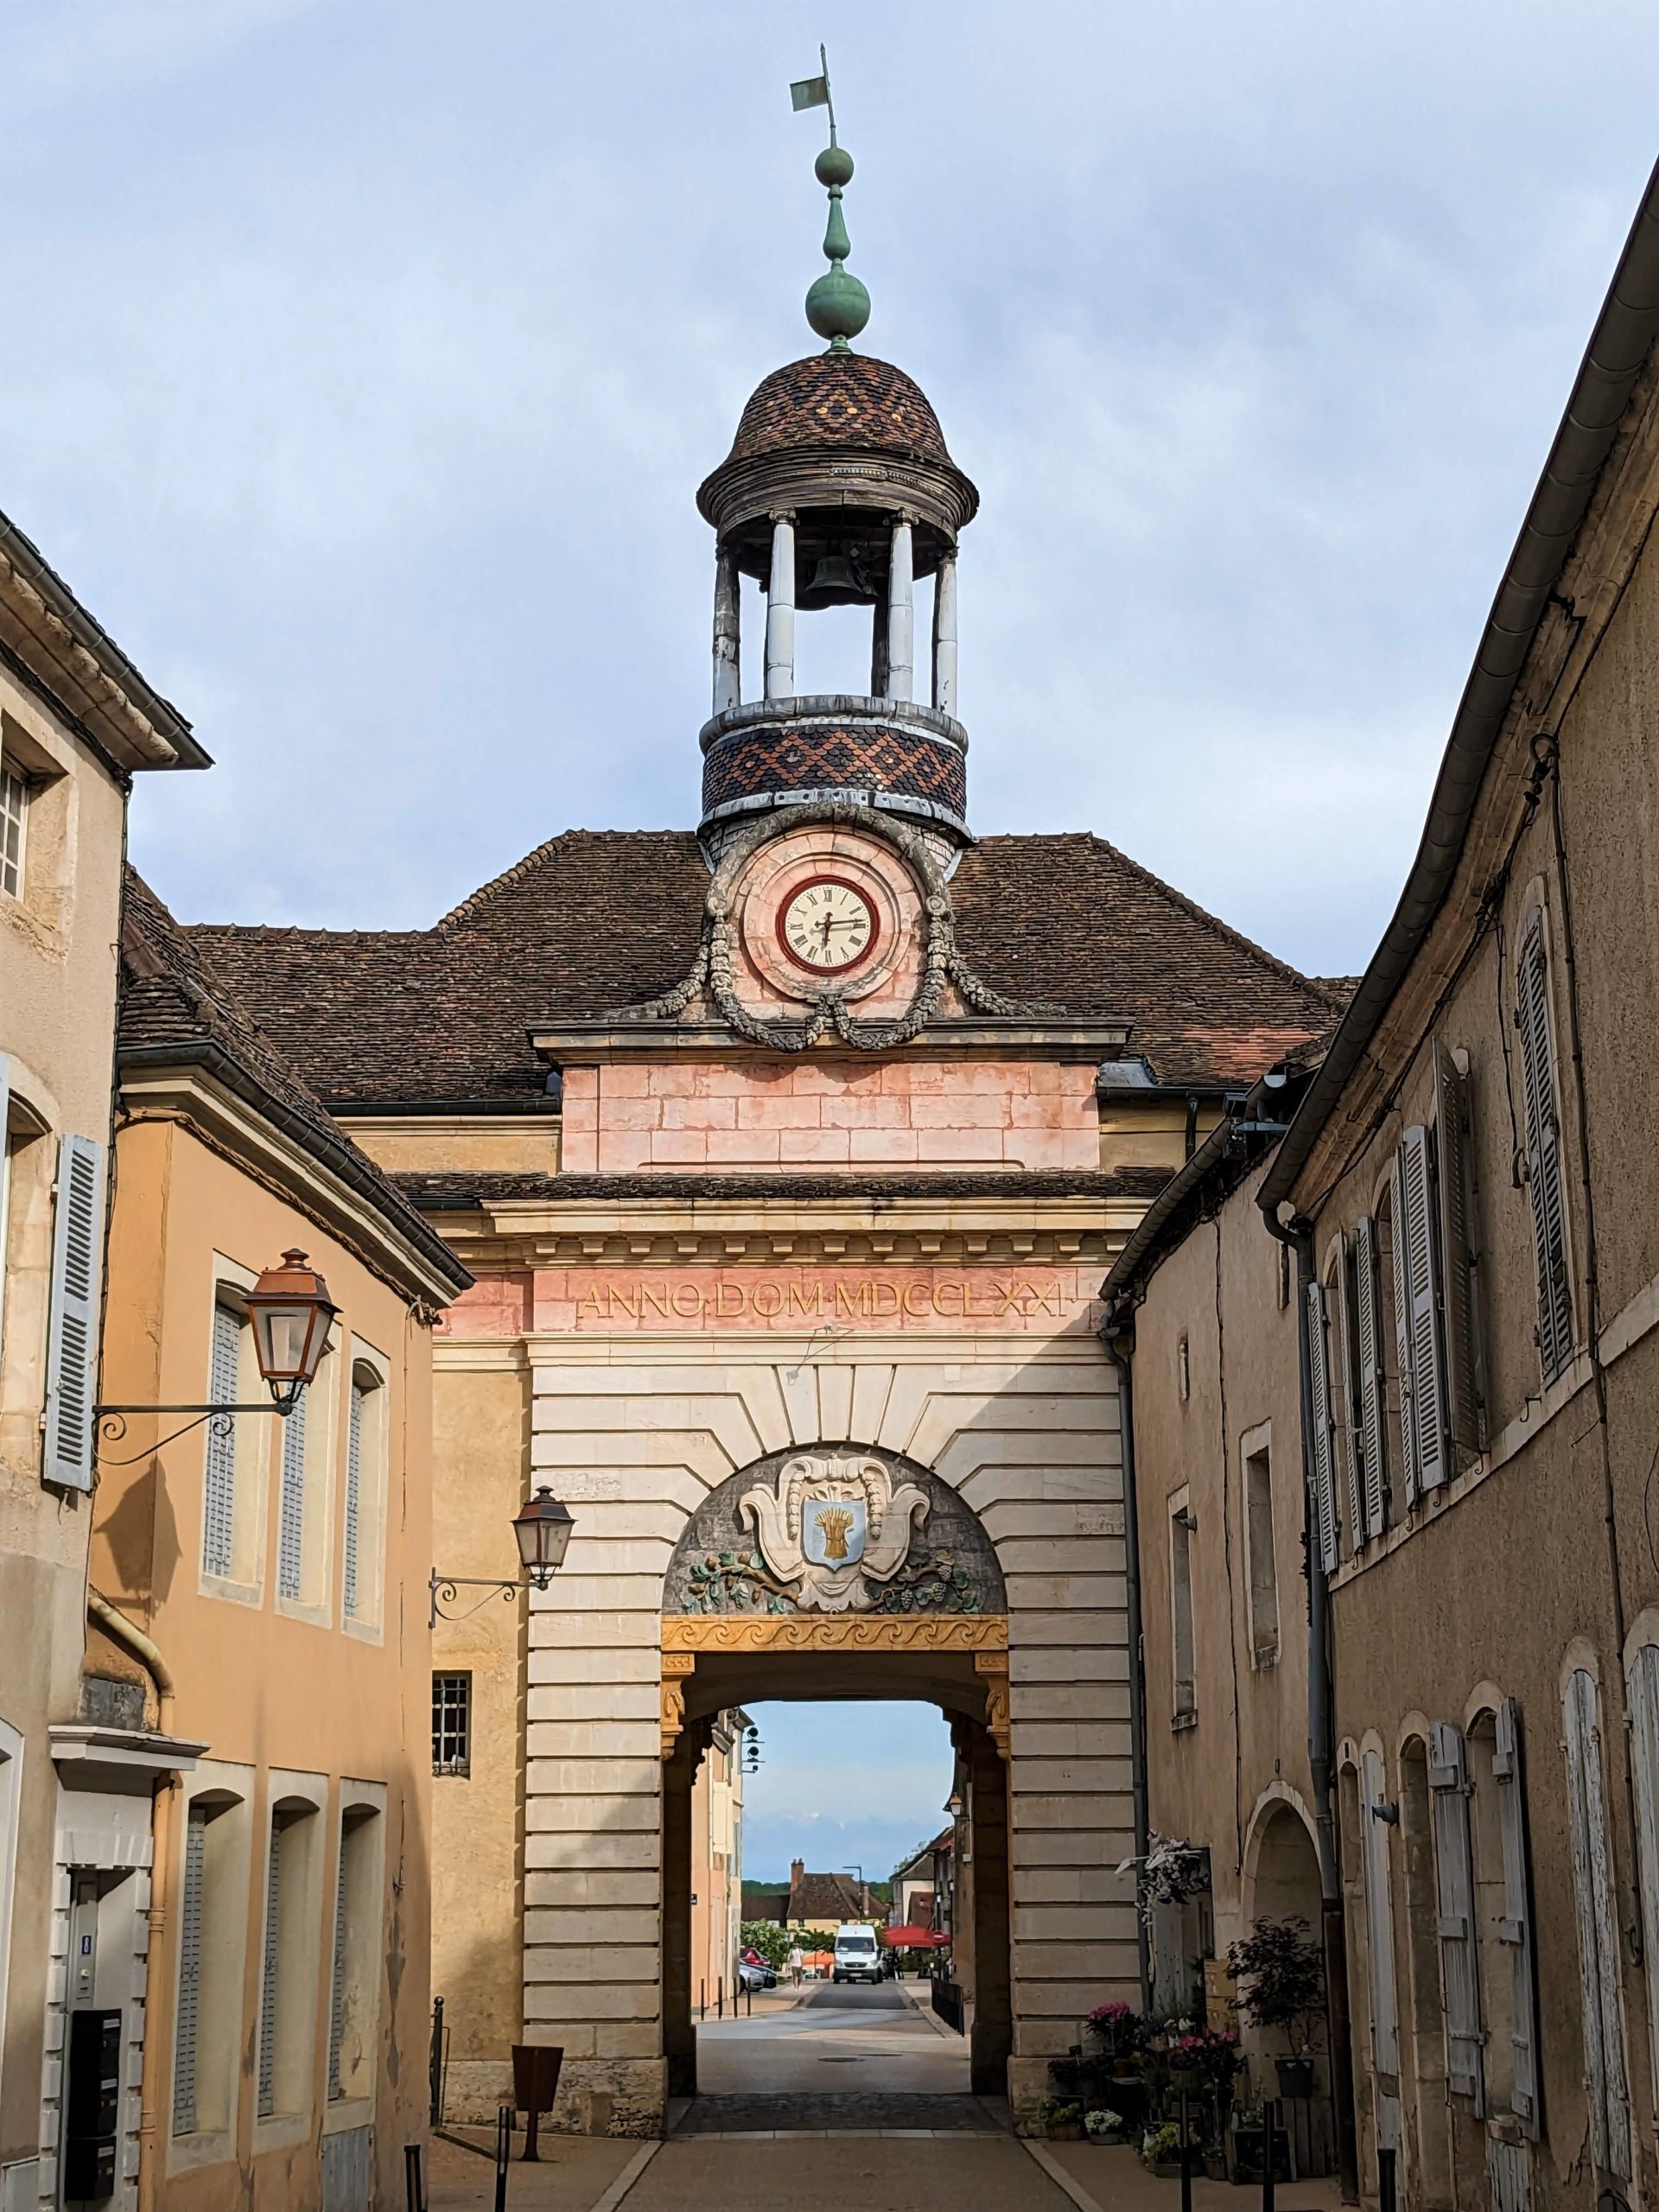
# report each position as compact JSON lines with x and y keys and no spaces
{"x":840,"y":399}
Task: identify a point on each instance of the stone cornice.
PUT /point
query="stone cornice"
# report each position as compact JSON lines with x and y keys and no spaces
{"x":588,"y":1044}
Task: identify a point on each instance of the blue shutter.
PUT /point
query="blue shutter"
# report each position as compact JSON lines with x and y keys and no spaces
{"x":72,"y":1338}
{"x":219,"y":1494}
{"x":268,"y":1973}
{"x":185,"y":2028}
{"x":290,"y":1525}
{"x":354,"y":1499}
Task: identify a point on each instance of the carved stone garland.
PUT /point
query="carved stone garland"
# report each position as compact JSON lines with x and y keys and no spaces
{"x":714,"y":965}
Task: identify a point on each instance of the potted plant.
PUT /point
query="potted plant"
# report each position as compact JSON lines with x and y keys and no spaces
{"x":1103,"y":2127}
{"x":1160,"y":2150}
{"x":1120,"y":2031}
{"x":1280,"y":1975}
{"x":1061,"y":2119}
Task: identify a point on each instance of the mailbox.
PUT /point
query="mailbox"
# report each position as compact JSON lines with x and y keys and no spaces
{"x":92,"y":2115}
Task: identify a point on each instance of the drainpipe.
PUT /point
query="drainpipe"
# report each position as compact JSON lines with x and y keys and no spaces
{"x":116,"y":1625}
{"x":1117,"y":1336}
{"x":1321,"y":1700}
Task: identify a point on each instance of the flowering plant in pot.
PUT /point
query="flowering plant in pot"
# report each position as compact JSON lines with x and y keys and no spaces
{"x":1062,"y":2119}
{"x":1119,"y":2029}
{"x":1103,"y":2127}
{"x":1160,"y":2150}
{"x":1279,"y":1971}
{"x":1208,"y":2059}
{"x":1171,"y":1871}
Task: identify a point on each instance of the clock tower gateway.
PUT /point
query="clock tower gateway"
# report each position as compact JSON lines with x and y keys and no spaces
{"x":787,"y":1153}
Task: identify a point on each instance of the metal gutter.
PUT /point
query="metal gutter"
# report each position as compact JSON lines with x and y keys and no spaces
{"x":1620,"y":345}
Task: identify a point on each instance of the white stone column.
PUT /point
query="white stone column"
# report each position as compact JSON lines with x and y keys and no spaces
{"x":901,"y":614}
{"x":728,"y":688}
{"x":945,"y":636}
{"x":780,"y":610}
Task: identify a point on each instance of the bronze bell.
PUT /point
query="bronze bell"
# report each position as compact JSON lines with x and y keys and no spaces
{"x":836,"y":581}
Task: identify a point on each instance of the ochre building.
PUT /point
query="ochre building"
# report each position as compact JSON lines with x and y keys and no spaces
{"x":788,"y":1152}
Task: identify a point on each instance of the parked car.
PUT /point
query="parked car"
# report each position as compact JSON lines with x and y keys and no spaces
{"x":753,"y":1977}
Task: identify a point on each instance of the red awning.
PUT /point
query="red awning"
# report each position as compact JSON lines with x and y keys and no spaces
{"x":914,"y":1939}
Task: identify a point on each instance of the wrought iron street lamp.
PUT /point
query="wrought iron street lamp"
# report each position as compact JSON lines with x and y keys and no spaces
{"x":291,"y":1313}
{"x":541,"y":1528}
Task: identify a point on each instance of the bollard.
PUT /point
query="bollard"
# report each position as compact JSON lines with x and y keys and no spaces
{"x":414,"y":2180}
{"x":720,"y":1999}
{"x":1269,"y":2149}
{"x":435,"y":2066}
{"x":503,"y":2154}
{"x":748,"y":2011}
{"x":702,"y":1999}
{"x":1186,"y":2159}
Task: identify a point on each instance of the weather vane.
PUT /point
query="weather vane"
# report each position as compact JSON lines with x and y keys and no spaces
{"x":837,"y":306}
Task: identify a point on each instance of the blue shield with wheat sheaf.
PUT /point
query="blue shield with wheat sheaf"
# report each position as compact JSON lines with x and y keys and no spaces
{"x":833,"y":1530}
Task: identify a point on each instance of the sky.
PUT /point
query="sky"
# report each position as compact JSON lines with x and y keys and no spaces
{"x":841,"y":1785}
{"x":362,"y":358}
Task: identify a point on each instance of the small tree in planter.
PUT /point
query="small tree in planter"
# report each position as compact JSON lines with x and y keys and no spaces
{"x":1279,"y":1971}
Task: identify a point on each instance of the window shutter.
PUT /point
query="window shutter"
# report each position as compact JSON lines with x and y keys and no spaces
{"x":1368,"y":1310}
{"x":354,"y":1499}
{"x":1457,"y":1252}
{"x":218,"y":1497}
{"x":1342,"y":1353}
{"x":290,"y":1527}
{"x":1544,"y":1155}
{"x":1411,"y":1473}
{"x":1379,"y":1921}
{"x":1644,"y":1761}
{"x":71,"y":1339}
{"x":1454,"y":1876}
{"x":1324,"y":1483}
{"x":184,"y":2047}
{"x":1423,"y":1306}
{"x":1515,"y":1930}
{"x":1604,"y":2036}
{"x":268,"y":1975}
{"x":337,"y":1981}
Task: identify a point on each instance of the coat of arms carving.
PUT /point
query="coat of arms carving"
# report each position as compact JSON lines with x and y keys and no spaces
{"x":834,"y":1530}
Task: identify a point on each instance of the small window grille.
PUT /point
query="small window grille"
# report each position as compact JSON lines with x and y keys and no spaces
{"x":189,"y":2010}
{"x":353,"y":1498}
{"x":290,"y":1542}
{"x":452,"y":1724}
{"x":14,"y":820}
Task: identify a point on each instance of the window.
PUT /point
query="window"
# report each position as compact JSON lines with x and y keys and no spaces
{"x":72,"y":1329}
{"x":1544,"y":1151}
{"x":1317,"y":1324}
{"x":288,"y":1966}
{"x":1605,"y":2080}
{"x":1183,"y":1657}
{"x":14,"y":826}
{"x":1260,"y":1560}
{"x":1370,"y":1386}
{"x":213,"y":1910}
{"x":361,"y":1547}
{"x":304,"y":1496}
{"x":354,"y":1981}
{"x":1346,"y":1470}
{"x":290,"y":1534}
{"x":219,"y":1500}
{"x":452,"y":1724}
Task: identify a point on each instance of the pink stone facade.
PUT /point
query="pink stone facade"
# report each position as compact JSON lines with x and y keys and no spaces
{"x":817,"y":1112}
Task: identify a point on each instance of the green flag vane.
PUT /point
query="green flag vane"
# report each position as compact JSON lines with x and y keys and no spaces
{"x":837,"y":306}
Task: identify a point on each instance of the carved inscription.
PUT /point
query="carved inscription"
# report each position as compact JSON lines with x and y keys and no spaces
{"x":1045,"y":1299}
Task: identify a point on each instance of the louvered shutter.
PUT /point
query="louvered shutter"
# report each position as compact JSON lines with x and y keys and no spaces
{"x":218,"y":1496}
{"x":290,"y":1527}
{"x":1457,"y":1253}
{"x":1454,"y":1876}
{"x":1345,"y":1399}
{"x":354,"y":1499}
{"x":1544,"y":1155}
{"x":1644,"y":1760}
{"x":1606,"y":2084}
{"x":1423,"y":1307}
{"x":268,"y":1974}
{"x":1379,"y":1920}
{"x":184,"y":2043}
{"x":337,"y":1980}
{"x":1515,"y":1928}
{"x":1411,"y":1472}
{"x":71,"y":1339}
{"x":1325,"y":1482}
{"x":1367,"y":1316}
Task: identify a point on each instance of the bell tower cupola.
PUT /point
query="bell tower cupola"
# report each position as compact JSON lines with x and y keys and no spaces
{"x":838,"y":491}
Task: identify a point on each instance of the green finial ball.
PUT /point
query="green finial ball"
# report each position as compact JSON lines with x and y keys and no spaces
{"x":837,"y":307}
{"x":834,"y":166}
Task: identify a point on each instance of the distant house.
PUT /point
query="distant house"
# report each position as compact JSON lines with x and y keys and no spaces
{"x":921,"y":1887}
{"x":767,"y":1901}
{"x":822,"y":1900}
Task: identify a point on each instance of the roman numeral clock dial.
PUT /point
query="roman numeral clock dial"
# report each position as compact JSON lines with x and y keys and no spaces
{"x":827,"y":925}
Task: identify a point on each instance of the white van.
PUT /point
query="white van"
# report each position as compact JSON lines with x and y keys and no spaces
{"x":858,"y":1956}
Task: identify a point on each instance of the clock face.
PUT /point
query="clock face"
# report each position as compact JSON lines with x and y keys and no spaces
{"x":826,"y":925}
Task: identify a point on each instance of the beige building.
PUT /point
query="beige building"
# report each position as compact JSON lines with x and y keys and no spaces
{"x":243,"y":1879}
{"x":76,"y":723}
{"x":1468,"y":1185}
{"x":717,"y":1863}
{"x":788,"y":1152}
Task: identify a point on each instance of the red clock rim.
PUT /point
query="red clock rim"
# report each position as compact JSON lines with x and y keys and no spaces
{"x":843,"y":883}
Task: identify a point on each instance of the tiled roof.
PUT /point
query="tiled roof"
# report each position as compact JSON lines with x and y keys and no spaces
{"x":473,"y":1187}
{"x":839,"y":399}
{"x":822,"y":1897}
{"x":595,"y":920}
{"x":175,"y":1006}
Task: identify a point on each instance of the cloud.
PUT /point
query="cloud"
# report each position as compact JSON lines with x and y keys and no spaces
{"x":843,"y":1784}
